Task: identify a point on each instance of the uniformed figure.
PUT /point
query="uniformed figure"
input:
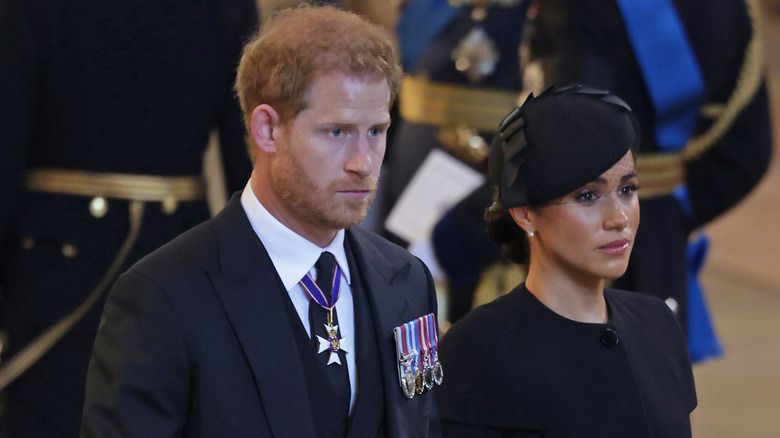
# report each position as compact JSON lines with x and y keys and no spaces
{"x":463,"y":75}
{"x":106,"y":109}
{"x":721,"y":122}
{"x":561,"y":355}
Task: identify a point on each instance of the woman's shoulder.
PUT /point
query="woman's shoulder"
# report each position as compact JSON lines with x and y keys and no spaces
{"x":490,"y":322}
{"x":631,"y":297}
{"x":647,"y":320}
{"x":655,"y":344}
{"x":638,"y":305}
{"x":487,"y":374}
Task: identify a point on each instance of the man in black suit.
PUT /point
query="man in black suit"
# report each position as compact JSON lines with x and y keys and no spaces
{"x":215,"y":334}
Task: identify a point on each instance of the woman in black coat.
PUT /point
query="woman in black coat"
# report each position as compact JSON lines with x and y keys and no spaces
{"x":561,"y":355}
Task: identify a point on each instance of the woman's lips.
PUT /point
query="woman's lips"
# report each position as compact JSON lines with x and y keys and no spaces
{"x":616,"y":247}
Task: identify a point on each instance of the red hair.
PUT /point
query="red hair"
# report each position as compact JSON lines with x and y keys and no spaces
{"x":280,"y":63}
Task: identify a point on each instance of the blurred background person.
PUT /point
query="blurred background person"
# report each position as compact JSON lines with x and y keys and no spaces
{"x":106,"y":111}
{"x":463,"y":75}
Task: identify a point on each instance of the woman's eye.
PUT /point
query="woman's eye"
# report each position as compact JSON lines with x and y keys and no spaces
{"x":587,"y":197}
{"x":628,"y":190}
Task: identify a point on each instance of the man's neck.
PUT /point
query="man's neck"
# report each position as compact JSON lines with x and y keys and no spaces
{"x":265,"y":195}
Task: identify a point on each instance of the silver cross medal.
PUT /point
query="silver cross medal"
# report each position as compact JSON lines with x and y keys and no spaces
{"x":333,"y":343}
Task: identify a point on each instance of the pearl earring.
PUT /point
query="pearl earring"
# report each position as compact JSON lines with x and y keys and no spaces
{"x":530,"y":233}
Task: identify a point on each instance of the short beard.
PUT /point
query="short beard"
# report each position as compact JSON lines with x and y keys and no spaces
{"x":309,"y":203}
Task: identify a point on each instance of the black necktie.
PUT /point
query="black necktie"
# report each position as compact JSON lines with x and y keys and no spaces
{"x":337,"y":375}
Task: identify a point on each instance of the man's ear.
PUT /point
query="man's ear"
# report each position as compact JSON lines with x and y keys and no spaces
{"x":522,"y":218}
{"x":265,"y":124}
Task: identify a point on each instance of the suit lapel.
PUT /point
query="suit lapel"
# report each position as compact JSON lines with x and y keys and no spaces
{"x":250,"y":291}
{"x":388,"y":306}
{"x":368,"y":413}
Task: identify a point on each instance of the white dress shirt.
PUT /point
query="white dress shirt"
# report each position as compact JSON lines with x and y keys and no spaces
{"x":293,"y":256}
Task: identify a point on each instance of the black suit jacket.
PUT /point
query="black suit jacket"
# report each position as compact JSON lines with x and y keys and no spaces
{"x":195,"y":340}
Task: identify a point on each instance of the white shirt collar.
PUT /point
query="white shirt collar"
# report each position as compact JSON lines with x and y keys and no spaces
{"x":292,"y":254}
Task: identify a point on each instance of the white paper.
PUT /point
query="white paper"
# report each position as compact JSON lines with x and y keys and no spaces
{"x":439,"y":183}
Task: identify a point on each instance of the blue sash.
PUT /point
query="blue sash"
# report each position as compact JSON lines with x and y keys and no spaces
{"x":669,"y":68}
{"x":703,"y":343}
{"x":676,"y":87}
{"x":420,"y":22}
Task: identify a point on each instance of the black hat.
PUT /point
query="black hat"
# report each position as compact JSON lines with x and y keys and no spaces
{"x":558,"y":142}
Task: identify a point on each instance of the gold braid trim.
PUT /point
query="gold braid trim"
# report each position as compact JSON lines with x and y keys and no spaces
{"x":747,"y":84}
{"x":32,"y":352}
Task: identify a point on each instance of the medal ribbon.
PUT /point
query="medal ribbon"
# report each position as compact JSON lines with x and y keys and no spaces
{"x":406,"y":332}
{"x":416,"y":340}
{"x":433,"y":337}
{"x":430,"y":327}
{"x":411,"y":338}
{"x":316,"y":293}
{"x":404,"y":346}
{"x":423,"y":338}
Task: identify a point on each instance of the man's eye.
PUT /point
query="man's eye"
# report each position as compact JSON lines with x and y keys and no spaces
{"x":373,"y":132}
{"x":336,"y":132}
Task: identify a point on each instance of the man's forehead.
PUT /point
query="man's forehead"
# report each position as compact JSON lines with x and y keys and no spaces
{"x":343,"y":98}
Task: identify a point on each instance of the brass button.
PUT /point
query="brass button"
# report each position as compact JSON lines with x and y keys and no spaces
{"x":98,"y":207}
{"x":169,"y":205}
{"x":478,"y":13}
{"x":462,"y":63}
{"x":69,"y":250}
{"x":27,"y":243}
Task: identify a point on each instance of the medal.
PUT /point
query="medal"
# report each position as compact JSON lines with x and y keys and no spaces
{"x":418,"y":366}
{"x":427,"y":376}
{"x":419,"y":388}
{"x":425,"y":344}
{"x":437,"y":370}
{"x":333,"y":342}
{"x":405,"y":361}
{"x":407,"y":381}
{"x":411,"y":330}
{"x":415,"y":335}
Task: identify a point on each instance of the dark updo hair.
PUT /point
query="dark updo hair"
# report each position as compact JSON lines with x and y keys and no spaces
{"x":506,"y":233}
